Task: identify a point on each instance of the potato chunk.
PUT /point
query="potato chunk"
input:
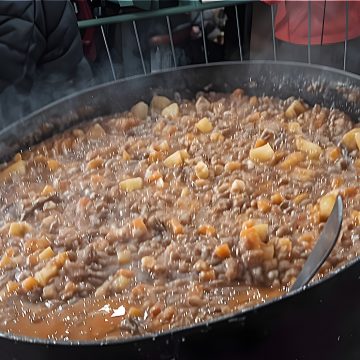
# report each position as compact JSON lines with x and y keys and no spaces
{"x":6,"y":261}
{"x":357,"y":139}
{"x":19,"y":229}
{"x":164,"y":146}
{"x":292,"y":160}
{"x":312,"y":150}
{"x":126,"y":156}
{"x":184,"y":154}
{"x":204,"y":125}
{"x":44,"y":275}
{"x":140,"y":110}
{"x":95,"y":163}
{"x":18,"y":167}
{"x":327,"y":203}
{"x":268,"y":251}
{"x":262,"y":230}
{"x":46,"y":253}
{"x":171,"y":111}
{"x":232,"y":166}
{"x":120,"y":282}
{"x":202,"y":105}
{"x":159,"y":102}
{"x":303,"y":175}
{"x":176,"y":159}
{"x":355,"y":217}
{"x":253,"y":236}
{"x":53,"y":164}
{"x":217,"y":137}
{"x":201,"y":170}
{"x":96,"y":132}
{"x":262,"y":154}
{"x":131,"y":184}
{"x":296,"y":108}
{"x":124,"y":256}
{"x":294,"y":127}
{"x":349,"y":140}
{"x":148,"y":263}
{"x":238,"y":186}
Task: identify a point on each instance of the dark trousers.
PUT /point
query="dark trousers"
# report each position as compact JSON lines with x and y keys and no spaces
{"x":330,"y":55}
{"x":231,"y":42}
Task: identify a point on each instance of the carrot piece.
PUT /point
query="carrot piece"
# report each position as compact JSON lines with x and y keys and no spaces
{"x":260,"y":142}
{"x":135,"y":312}
{"x":176,"y":227}
{"x":155,"y":176}
{"x":139,"y":224}
{"x":53,"y":164}
{"x":349,"y":191}
{"x":48,"y":190}
{"x":264,"y":205}
{"x":277,"y":198}
{"x":222,"y":251}
{"x":12,"y":286}
{"x":207,"y":275}
{"x":208,"y":230}
{"x":29,"y":283}
{"x":251,"y":238}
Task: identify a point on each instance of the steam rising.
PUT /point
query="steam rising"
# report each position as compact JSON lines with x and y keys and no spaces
{"x":15,"y":104}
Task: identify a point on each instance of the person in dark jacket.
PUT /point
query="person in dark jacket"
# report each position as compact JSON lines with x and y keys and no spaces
{"x":41,"y":55}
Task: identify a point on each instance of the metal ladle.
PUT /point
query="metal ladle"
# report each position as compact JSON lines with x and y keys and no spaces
{"x":323,"y":246}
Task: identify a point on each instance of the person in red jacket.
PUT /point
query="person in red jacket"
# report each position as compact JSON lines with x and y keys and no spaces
{"x":331,"y":23}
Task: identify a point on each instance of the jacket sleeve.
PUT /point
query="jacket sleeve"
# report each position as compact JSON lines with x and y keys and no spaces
{"x":21,"y":43}
{"x":63,"y":48}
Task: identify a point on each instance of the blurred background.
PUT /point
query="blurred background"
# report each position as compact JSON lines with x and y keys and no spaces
{"x":122,"y":38}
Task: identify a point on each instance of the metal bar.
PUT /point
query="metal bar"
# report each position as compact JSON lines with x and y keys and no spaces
{"x":108,"y":52}
{"x":309,"y":32}
{"x":204,"y":37}
{"x":196,"y":6}
{"x":273,"y":31}
{"x":171,"y":41}
{"x":346,"y":33}
{"x":323,"y":24}
{"x":139,"y":46}
{"x":238,"y":32}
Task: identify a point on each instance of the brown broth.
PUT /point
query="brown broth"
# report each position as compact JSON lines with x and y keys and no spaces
{"x":98,"y":319}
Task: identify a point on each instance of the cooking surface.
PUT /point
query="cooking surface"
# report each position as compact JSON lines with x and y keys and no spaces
{"x":170,"y":221}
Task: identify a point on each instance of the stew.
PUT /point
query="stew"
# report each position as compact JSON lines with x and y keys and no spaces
{"x":171,"y":214}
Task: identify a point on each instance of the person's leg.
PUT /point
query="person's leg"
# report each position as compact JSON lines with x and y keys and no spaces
{"x":353,"y":56}
{"x":289,"y":52}
{"x":329,"y":55}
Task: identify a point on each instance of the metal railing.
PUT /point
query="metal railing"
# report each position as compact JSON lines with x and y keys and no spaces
{"x":199,"y":7}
